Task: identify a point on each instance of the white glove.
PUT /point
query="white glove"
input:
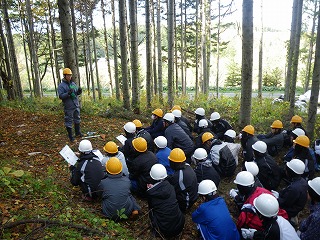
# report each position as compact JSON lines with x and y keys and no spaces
{"x":240,"y":135}
{"x":233,"y":193}
{"x":275,"y":193}
{"x":247,"y":233}
{"x":284,"y":131}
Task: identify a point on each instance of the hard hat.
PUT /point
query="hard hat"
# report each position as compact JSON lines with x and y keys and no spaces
{"x":231,"y":133}
{"x":315,"y":185}
{"x":130,"y":127}
{"x":200,"y":154}
{"x":67,"y":71}
{"x":207,"y":186}
{"x":85,"y":146}
{"x":158,"y":172}
{"x":176,"y":113}
{"x":260,"y":146}
{"x":139,"y":144}
{"x":214,"y":116}
{"x":161,"y":142}
{"x":277,"y":124}
{"x":158,"y":112}
{"x":252,"y":167}
{"x":298,"y":132}
{"x":297,"y":166}
{"x":244,"y":178}
{"x":206,"y":136}
{"x":296,"y":119}
{"x":302,"y":141}
{"x":176,"y":107}
{"x":177,"y":155}
{"x":169,"y":117}
{"x":200,"y":111}
{"x":111,"y":147}
{"x":114,"y":166}
{"x":203,"y":123}
{"x":248,"y":129}
{"x":266,"y":204}
{"x":137,"y":123}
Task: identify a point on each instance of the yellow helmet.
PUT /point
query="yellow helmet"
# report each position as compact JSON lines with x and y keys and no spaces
{"x":296,"y":119}
{"x":158,"y":112}
{"x":111,"y":147}
{"x":175,"y":107}
{"x":140,"y":144}
{"x":114,"y":166}
{"x":302,"y":141}
{"x":137,"y":123}
{"x":177,"y":155}
{"x":277,"y":124}
{"x":206,"y":136}
{"x":67,"y":71}
{"x":248,"y":129}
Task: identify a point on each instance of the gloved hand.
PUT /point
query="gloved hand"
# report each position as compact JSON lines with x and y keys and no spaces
{"x":275,"y":193}
{"x":247,"y":233}
{"x":233,"y":193}
{"x":79,"y":91}
{"x":70,"y":91}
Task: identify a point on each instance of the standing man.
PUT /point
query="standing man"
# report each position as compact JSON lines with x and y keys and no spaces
{"x":68,"y":93}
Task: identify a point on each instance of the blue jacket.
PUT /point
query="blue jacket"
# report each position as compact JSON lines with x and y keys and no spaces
{"x":309,"y":227}
{"x":163,"y":159}
{"x":156,"y":129}
{"x":69,"y":101}
{"x":214,"y":221}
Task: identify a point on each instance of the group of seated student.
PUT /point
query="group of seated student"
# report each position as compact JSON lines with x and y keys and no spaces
{"x":172,"y":165}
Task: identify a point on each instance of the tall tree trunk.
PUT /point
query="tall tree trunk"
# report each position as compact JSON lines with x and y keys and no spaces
{"x":148,"y":53}
{"x":203,"y":77}
{"x":75,"y":39}
{"x":115,"y":52}
{"x":182,"y":6}
{"x":170,"y":51}
{"x":218,"y":48}
{"x":69,"y":57}
{"x":197,"y":53}
{"x":159,"y":50}
{"x":260,"y":54}
{"x":175,"y":44}
{"x":154,"y":54}
{"x":247,"y":61}
{"x":184,"y":53}
{"x":208,"y":45}
{"x":95,"y":57}
{"x":134,"y":56}
{"x":85,"y":60}
{"x":313,"y":104}
{"x":124,"y":54}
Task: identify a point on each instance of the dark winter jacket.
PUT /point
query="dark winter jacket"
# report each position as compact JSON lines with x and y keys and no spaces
{"x":205,"y":170}
{"x":220,"y":127}
{"x":185,"y":128}
{"x":196,"y":127}
{"x":274,"y":142}
{"x":147,"y":136}
{"x":187,"y":122}
{"x":70,"y":101}
{"x":247,"y":150}
{"x":156,"y":129}
{"x":198,"y":139}
{"x":308,"y":161}
{"x":309,"y":227}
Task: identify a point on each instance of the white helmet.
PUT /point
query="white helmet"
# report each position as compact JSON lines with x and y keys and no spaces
{"x":177,"y":113}
{"x":207,"y":186}
{"x":200,"y":111}
{"x":244,"y":178}
{"x":297,"y":166}
{"x":231,"y":133}
{"x":169,"y":117}
{"x":266,"y":204}
{"x":214,"y":116}
{"x":315,"y":185}
{"x":161,"y":142}
{"x":203,"y":123}
{"x":298,"y":132}
{"x":85,"y":146}
{"x":252,"y":167}
{"x":260,"y":146}
{"x":158,"y":172}
{"x":200,"y":153}
{"x":130,"y":127}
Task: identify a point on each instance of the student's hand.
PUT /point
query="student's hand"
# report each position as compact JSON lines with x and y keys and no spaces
{"x":233,"y":193}
{"x":247,"y":233}
{"x":70,"y":91}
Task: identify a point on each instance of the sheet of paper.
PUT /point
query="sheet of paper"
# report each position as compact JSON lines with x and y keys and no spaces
{"x":98,"y":154}
{"x":121,"y":138}
{"x":68,"y":155}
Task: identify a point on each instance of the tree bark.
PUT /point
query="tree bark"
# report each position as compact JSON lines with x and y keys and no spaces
{"x":170,"y":51}
{"x":148,"y":53}
{"x":260,"y":54}
{"x":159,"y":50}
{"x":115,"y":52}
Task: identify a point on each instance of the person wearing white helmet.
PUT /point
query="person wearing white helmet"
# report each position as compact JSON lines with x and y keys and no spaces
{"x":212,"y":216}
{"x":165,"y":215}
{"x":183,"y":125}
{"x":269,"y":171}
{"x":253,"y":168}
{"x":203,"y":128}
{"x":219,"y":125}
{"x":244,"y":196}
{"x":88,"y":172}
{"x":293,"y":198}
{"x":293,"y":135}
{"x":309,"y":227}
{"x":228,"y":138}
{"x":274,"y":227}
{"x":162,"y":152}
{"x":204,"y":169}
{"x":200,"y":114}
{"x":130,"y":133}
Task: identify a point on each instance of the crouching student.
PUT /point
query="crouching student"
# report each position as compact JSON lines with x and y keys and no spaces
{"x":165,"y":215}
{"x":116,"y":195}
{"x":88,"y":172}
{"x":212,"y":217}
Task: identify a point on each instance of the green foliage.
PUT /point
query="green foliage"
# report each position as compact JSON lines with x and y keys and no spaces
{"x":121,"y":213}
{"x":273,"y":78}
{"x":7,"y":178}
{"x":234,"y":75}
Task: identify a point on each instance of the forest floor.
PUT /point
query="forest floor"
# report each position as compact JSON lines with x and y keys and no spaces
{"x":31,"y":142}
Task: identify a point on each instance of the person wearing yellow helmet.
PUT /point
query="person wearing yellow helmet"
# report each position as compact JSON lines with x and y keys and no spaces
{"x":68,"y":92}
{"x":203,"y":127}
{"x":141,"y":132}
{"x":247,"y":140}
{"x":156,"y":128}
